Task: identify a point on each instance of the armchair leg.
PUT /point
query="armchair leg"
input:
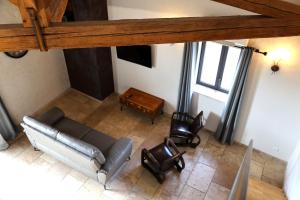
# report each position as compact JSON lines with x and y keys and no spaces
{"x":160,"y":177}
{"x":195,"y":144}
{"x":106,"y":186}
{"x":36,"y":149}
{"x":180,"y":166}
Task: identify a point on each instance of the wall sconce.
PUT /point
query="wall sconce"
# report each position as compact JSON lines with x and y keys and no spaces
{"x":277,"y":56}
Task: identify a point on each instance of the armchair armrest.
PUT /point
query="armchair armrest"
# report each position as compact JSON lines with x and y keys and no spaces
{"x":201,"y":118}
{"x":117,"y":155}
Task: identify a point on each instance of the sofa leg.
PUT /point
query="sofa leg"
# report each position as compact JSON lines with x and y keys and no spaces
{"x":105,"y":187}
{"x":129,"y":158}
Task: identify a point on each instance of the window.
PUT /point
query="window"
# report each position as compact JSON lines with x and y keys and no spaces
{"x":217,"y":66}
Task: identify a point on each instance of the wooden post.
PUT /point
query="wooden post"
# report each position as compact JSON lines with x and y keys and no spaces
{"x":37,"y":29}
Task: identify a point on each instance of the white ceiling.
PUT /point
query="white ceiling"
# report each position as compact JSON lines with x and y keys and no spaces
{"x":203,"y":7}
{"x":179,"y":7}
{"x":294,"y":1}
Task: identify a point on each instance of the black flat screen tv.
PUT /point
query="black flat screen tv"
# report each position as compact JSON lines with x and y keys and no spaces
{"x":139,"y":54}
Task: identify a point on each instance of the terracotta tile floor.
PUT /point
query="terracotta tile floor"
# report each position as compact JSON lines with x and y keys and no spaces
{"x":209,"y":173}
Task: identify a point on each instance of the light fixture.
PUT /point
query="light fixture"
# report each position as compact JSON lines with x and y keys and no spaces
{"x":277,"y":56}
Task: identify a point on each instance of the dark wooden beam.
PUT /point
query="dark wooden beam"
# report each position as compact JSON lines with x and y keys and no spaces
{"x":271,"y":8}
{"x":147,"y":31}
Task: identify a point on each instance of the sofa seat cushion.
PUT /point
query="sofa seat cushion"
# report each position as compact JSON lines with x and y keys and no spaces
{"x":81,"y":146}
{"x":72,"y":128}
{"x":99,"y":140}
{"x":40,"y":127}
{"x":52,"y":116}
{"x":180,"y":128}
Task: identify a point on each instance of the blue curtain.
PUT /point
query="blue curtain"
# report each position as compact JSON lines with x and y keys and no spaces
{"x":225,"y":132}
{"x":7,"y":128}
{"x":190,"y":62}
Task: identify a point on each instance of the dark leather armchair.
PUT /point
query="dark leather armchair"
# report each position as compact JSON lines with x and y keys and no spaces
{"x":163,"y":158}
{"x":184,"y":129}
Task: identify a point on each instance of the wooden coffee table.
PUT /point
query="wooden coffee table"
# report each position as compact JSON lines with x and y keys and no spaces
{"x":142,"y":102}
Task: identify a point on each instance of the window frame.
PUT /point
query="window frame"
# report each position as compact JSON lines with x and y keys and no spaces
{"x":219,"y":76}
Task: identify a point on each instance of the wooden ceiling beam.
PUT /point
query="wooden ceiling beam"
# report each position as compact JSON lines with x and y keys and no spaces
{"x":39,"y":6}
{"x":15,"y":2}
{"x":271,"y":8}
{"x":147,"y":31}
{"x":23,"y":6}
{"x":47,"y":11}
{"x":56,"y":10}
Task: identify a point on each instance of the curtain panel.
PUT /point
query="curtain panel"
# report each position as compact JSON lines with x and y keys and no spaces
{"x":190,"y":63}
{"x":7,"y":128}
{"x":226,"y":129}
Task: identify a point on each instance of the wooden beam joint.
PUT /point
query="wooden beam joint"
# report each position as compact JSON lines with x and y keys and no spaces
{"x":37,"y":29}
{"x":274,"y":8}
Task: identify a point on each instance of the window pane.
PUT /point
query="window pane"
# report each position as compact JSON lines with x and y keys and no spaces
{"x":211,"y":63}
{"x":230,"y":68}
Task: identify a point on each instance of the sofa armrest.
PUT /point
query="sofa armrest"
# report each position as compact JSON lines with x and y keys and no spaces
{"x":118,"y":153}
{"x":52,"y":116}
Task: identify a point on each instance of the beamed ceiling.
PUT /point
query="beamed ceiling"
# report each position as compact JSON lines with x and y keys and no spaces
{"x":42,"y":27}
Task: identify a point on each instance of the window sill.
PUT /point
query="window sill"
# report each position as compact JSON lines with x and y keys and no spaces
{"x":211,"y":93}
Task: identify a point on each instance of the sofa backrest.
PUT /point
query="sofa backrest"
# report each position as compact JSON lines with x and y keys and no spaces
{"x":41,"y":127}
{"x":64,"y":147}
{"x":81,"y":146}
{"x":52,"y":116}
{"x":62,"y":152}
{"x":74,"y":143}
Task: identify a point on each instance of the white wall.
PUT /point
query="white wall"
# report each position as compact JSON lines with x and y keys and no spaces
{"x":29,"y":83}
{"x":271,"y":109}
{"x":212,"y":109}
{"x":163,"y":79}
{"x":292,"y":178}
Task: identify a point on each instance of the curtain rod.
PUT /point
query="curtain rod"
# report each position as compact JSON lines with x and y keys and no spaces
{"x":254,"y":49}
{"x":232,"y":44}
{"x":261,"y":52}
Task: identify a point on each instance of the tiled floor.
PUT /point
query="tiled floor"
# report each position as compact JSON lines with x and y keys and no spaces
{"x":209,"y":173}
